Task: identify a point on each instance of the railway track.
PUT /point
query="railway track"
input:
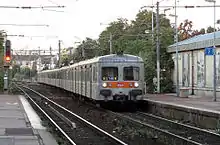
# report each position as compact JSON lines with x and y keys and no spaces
{"x":165,"y":131}
{"x":182,"y":133}
{"x":75,"y":129}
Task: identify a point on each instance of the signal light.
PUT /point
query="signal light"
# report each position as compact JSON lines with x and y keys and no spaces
{"x":8,"y":51}
{"x":7,"y":58}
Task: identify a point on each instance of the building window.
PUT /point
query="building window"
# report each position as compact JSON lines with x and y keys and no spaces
{"x":200,"y":69}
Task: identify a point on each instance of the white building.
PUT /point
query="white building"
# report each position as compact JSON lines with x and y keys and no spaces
{"x":195,"y":67}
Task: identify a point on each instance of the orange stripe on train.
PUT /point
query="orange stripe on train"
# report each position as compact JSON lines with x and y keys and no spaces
{"x":120,"y":84}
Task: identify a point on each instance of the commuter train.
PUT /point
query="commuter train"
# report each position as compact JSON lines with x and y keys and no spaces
{"x":109,"y":78}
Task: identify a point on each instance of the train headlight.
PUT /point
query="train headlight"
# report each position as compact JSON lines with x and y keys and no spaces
{"x":104,"y":85}
{"x":136,"y":84}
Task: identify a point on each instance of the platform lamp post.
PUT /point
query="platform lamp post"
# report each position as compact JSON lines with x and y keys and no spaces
{"x":214,"y":55}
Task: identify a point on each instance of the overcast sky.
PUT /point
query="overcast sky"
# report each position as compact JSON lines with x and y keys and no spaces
{"x":82,"y":19}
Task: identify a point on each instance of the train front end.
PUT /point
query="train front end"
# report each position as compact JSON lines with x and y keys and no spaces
{"x":122,"y":79}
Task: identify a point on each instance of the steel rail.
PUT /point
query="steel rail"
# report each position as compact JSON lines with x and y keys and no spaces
{"x":78,"y":117}
{"x":60,"y":129}
{"x":185,"y":125}
{"x":160,"y":131}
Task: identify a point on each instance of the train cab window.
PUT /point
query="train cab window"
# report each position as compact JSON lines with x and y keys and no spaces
{"x":109,"y":73}
{"x":131,"y":73}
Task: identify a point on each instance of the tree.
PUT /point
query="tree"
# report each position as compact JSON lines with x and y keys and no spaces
{"x":15,"y":70}
{"x":186,"y":30}
{"x":116,"y":29}
{"x":202,"y":31}
{"x":64,"y":57}
{"x":210,"y":29}
{"x":132,"y":39}
{"x":89,"y":48}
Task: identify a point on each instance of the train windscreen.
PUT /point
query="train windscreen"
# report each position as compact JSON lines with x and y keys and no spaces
{"x":109,"y":73}
{"x":131,"y":73}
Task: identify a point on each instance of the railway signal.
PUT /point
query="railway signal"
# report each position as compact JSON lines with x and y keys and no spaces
{"x":7,"y":52}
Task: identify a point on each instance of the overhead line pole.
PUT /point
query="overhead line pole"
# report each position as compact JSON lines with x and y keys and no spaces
{"x":214,"y":59}
{"x":177,"y":56}
{"x":158,"y":50}
{"x":59,"y":46}
{"x":152,"y":21}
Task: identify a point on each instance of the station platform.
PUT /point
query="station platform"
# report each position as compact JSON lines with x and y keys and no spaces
{"x":19,"y":123}
{"x":200,"y":110}
{"x":193,"y":101}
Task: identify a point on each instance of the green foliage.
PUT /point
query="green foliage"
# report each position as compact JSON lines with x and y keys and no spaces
{"x":86,"y":50}
{"x":18,"y":73}
{"x":1,"y":80}
{"x":1,"y":62}
{"x":131,"y":37}
{"x":15,"y":69}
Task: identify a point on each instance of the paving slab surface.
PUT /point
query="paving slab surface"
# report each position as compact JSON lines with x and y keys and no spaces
{"x":19,"y":123}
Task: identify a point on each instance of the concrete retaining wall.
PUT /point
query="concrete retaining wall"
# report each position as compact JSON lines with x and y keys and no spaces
{"x":203,"y":118}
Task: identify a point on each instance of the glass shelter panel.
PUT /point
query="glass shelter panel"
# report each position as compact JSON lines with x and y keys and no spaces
{"x":185,"y":77}
{"x":200,"y":69}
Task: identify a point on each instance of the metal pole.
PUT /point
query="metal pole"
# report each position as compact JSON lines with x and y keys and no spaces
{"x":50,"y":57}
{"x":214,"y":59}
{"x":6,"y":79}
{"x":39,"y":60}
{"x":158,"y":50}
{"x":110,"y":43}
{"x":177,"y":56}
{"x":59,"y":45}
{"x":152,"y":21}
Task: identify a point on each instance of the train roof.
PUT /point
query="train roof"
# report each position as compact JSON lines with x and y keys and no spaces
{"x":114,"y":58}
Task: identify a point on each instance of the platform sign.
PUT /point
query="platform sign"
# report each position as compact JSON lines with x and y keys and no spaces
{"x":209,"y":51}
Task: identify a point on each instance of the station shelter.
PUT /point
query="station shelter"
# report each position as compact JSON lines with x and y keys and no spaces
{"x":195,"y":63}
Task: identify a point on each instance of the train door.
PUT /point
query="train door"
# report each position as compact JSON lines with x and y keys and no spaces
{"x":78,"y":80}
{"x":86,"y":78}
{"x":94,"y":82}
{"x":90,"y":81}
{"x":82,"y":80}
{"x":75,"y":80}
{"x":60,"y":77}
{"x":72,"y":79}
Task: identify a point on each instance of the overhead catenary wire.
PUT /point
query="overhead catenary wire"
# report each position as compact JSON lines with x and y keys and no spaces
{"x":186,"y":6}
{"x":43,"y":25}
{"x":31,"y":7}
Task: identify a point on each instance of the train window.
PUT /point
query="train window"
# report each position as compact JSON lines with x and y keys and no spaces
{"x":109,"y":73}
{"x":131,"y":73}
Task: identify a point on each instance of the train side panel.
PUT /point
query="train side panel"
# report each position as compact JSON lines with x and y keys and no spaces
{"x":85,"y":78}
